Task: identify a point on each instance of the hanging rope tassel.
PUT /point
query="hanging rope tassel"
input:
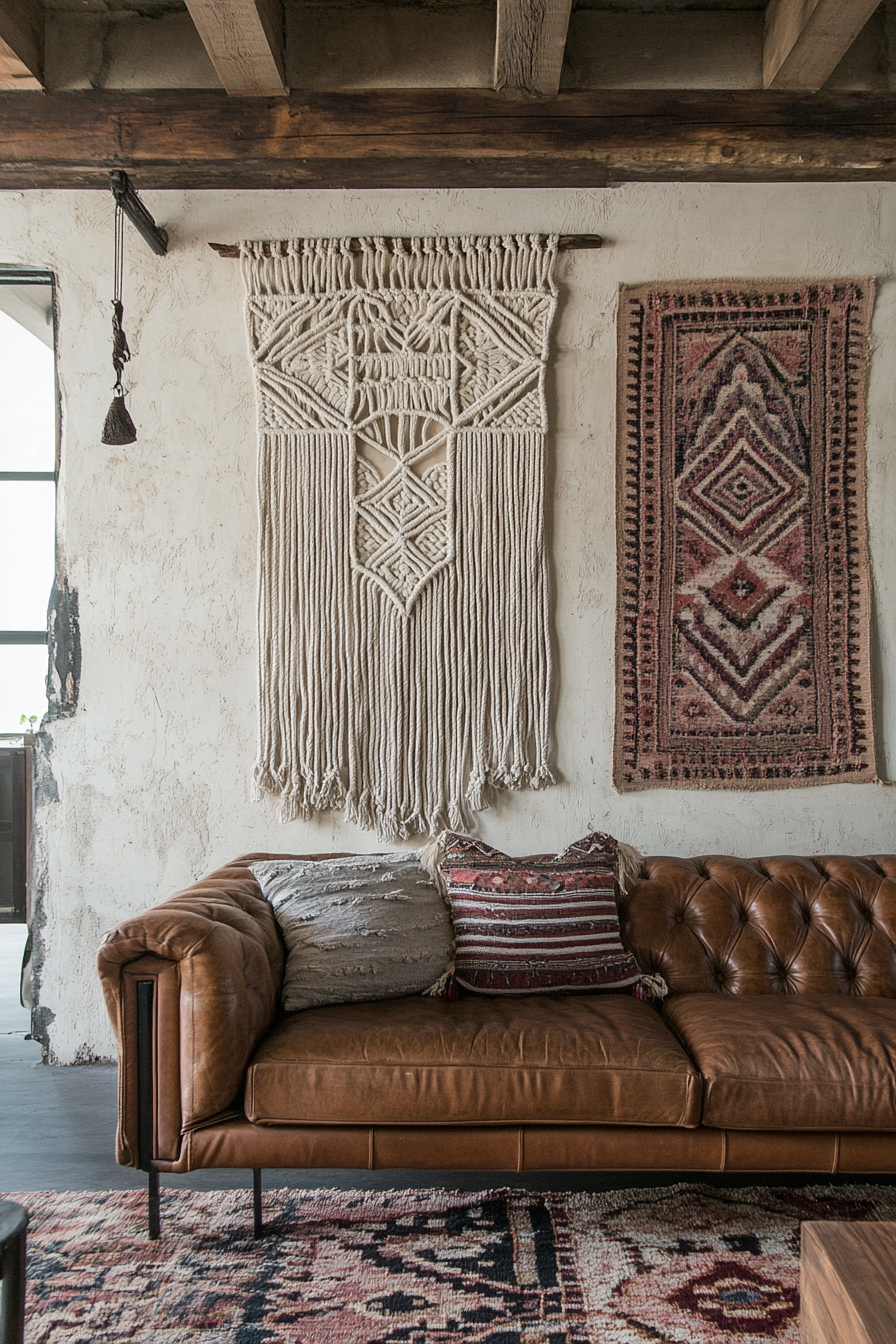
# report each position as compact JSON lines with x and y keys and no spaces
{"x":119,"y":428}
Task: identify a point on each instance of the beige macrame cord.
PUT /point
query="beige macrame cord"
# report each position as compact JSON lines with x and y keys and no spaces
{"x":404,"y":659}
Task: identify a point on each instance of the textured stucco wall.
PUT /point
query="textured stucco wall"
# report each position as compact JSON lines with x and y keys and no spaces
{"x":147,"y":785}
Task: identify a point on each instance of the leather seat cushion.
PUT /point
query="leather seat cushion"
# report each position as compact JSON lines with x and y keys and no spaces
{"x":791,"y":1061}
{"x":601,"y":1059}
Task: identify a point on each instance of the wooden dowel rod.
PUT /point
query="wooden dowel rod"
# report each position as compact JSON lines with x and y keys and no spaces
{"x":567,"y":242}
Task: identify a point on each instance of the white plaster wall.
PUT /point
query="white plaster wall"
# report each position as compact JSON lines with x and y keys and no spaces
{"x":153,"y":771}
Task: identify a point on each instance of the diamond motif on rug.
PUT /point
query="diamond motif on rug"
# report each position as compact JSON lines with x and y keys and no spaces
{"x":743,"y":642}
{"x":740,"y":624}
{"x":743,"y":594}
{"x":735,"y":1298}
{"x":736,"y":487}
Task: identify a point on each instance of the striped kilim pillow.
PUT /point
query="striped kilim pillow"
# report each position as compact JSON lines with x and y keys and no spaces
{"x":536,"y":925}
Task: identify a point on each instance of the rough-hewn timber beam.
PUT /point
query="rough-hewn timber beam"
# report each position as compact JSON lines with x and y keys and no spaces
{"x":21,"y":43}
{"x":806,"y":39}
{"x":14,"y":74}
{"x":431,"y":138}
{"x":244,"y":39}
{"x":529,"y":47}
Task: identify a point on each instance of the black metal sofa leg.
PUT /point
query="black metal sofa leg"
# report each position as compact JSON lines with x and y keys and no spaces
{"x":257,"y":1223}
{"x":153,"y":1205}
{"x":13,"y":1254}
{"x":146,"y":1101}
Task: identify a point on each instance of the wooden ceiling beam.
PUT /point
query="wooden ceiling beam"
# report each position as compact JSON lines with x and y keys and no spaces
{"x":244,"y":40}
{"x":14,"y":74}
{"x":21,"y":44}
{"x":432,"y":138}
{"x":529,"y":47}
{"x":805,"y":40}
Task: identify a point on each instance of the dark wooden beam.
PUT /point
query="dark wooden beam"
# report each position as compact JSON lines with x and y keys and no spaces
{"x":429,"y":138}
{"x":805,"y":40}
{"x":529,"y":44}
{"x":22,"y":39}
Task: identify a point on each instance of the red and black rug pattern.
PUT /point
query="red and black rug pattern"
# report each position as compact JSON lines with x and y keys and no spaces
{"x":685,"y":1264}
{"x":743,"y":655}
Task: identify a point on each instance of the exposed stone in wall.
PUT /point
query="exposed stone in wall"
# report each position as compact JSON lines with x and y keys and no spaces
{"x":64,"y":641}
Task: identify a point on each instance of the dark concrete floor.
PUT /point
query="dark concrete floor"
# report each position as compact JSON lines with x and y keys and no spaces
{"x":57,"y":1132}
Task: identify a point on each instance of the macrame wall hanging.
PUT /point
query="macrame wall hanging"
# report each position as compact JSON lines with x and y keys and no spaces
{"x":405,"y":657}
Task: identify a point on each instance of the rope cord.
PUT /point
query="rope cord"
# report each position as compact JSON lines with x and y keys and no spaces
{"x":120,"y":352}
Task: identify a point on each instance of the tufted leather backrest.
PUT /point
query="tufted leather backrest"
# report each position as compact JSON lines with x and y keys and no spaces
{"x":766,"y":926}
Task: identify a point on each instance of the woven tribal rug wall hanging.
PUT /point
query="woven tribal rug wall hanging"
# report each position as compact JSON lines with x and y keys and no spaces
{"x":744,"y":585}
{"x":404,"y":643}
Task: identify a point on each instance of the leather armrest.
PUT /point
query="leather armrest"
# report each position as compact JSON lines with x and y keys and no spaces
{"x":216,"y":958}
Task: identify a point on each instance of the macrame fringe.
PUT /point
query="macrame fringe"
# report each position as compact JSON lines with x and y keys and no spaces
{"x":409,"y":723}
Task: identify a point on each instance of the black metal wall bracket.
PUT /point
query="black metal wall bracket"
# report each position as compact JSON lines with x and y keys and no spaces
{"x":132,"y":206}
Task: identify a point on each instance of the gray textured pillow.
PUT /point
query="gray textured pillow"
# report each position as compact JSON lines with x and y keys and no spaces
{"x":371,"y":926}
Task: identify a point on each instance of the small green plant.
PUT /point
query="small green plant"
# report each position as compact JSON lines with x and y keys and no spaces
{"x":30,"y":719}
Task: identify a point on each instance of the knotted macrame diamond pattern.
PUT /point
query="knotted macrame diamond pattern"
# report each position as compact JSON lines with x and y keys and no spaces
{"x":401,"y":373}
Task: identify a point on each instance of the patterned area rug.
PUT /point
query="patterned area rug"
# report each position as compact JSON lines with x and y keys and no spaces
{"x":743,"y":640}
{"x":680,"y":1265}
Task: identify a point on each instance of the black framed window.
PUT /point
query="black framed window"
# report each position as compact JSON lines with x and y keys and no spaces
{"x":15,"y":821}
{"x":28,"y":468}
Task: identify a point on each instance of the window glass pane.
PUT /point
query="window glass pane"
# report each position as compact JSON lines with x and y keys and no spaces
{"x":26,"y":552}
{"x":23,"y":676}
{"x":27,"y":383}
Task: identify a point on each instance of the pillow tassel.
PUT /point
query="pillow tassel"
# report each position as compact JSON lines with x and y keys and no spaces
{"x":629,"y":866}
{"x":430,"y":859}
{"x":444,"y":987}
{"x":651,"y":989}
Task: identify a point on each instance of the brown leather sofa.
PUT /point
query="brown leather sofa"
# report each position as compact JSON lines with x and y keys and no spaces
{"x":775,"y":1050}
